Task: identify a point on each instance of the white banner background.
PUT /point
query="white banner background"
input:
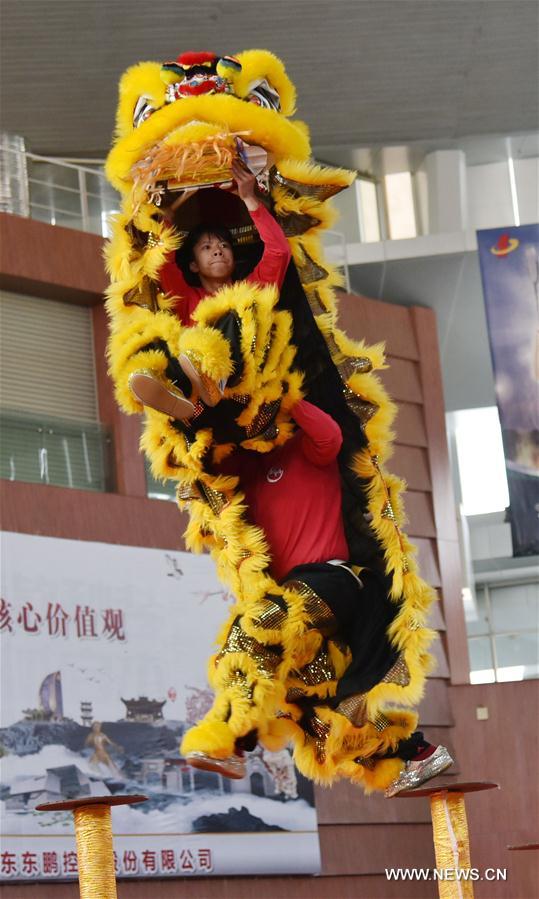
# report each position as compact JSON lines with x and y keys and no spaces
{"x":125,"y":622}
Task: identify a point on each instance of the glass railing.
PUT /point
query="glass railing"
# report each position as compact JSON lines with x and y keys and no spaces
{"x":58,"y":192}
{"x":61,"y":452}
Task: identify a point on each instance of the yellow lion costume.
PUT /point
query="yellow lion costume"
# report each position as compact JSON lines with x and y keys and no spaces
{"x":276,"y":670}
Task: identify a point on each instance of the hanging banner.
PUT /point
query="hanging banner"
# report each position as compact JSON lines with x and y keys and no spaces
{"x":104,"y":651}
{"x":509,"y":259}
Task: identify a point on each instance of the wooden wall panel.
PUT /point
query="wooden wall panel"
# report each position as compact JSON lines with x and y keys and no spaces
{"x":412,"y":464}
{"x":435,"y":708}
{"x":360,"y":849}
{"x":437,"y":649}
{"x":334,"y":887}
{"x":53,"y":262}
{"x":457,"y":643}
{"x":360,"y":317}
{"x":409,"y":425}
{"x":402,"y":380}
{"x":433,"y":406}
{"x":82,"y":515}
{"x":503,"y":748}
{"x":346,"y":804}
{"x":419,"y":514}
{"x":436,"y":620}
{"x":428,"y":561}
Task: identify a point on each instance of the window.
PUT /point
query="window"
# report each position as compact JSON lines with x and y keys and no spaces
{"x":503,"y":638}
{"x":400,"y":206}
{"x":367,"y":204}
{"x":50,"y":432}
{"x":481,"y":461}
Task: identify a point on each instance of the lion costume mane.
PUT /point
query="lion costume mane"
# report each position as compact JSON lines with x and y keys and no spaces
{"x":275,"y":671}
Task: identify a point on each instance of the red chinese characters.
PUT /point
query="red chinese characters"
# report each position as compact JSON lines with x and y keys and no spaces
{"x":8,"y":864}
{"x":86,"y":623}
{"x":5,"y":616}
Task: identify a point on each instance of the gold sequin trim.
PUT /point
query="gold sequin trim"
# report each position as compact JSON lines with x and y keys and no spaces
{"x":365,"y":763}
{"x":238,"y":678}
{"x":144,"y":295}
{"x":187,"y":492}
{"x":398,"y":674}
{"x":388,"y":512}
{"x":309,"y":271}
{"x":322,"y":731}
{"x":319,"y":671}
{"x":381,"y":722}
{"x":320,"y":616}
{"x":267,"y":660}
{"x":272,"y":617}
{"x":295,"y":694}
{"x":262,"y":419}
{"x":354,"y":365}
{"x":216,"y":500}
{"x":360,"y":407}
{"x":294,"y":223}
{"x":354,"y":708}
{"x":315,"y":303}
{"x":154,"y":240}
{"x":137,"y":237}
{"x":270,"y":433}
{"x":320,"y":192}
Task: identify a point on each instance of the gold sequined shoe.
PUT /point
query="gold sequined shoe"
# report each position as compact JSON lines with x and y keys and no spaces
{"x":208,"y":390}
{"x":152,"y":392}
{"x":416,"y":773}
{"x":233,"y":767}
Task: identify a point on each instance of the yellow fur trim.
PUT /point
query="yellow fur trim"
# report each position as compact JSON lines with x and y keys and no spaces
{"x":209,"y":351}
{"x":266,"y":128}
{"x":377,"y":778}
{"x":239,"y":549}
{"x":307,"y":172}
{"x":258,"y":64}
{"x":213,"y":737}
{"x":279,"y":733}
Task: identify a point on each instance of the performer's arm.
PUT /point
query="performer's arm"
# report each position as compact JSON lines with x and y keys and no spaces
{"x":272,"y":267}
{"x":321,"y":435}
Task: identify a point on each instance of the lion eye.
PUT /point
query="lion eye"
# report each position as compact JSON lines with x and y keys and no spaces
{"x":143,"y":111}
{"x":263,"y":94}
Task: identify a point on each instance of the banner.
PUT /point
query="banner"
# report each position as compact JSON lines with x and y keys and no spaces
{"x":509,"y":259}
{"x":104,"y":651}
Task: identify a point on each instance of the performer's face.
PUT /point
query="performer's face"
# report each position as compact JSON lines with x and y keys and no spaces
{"x":213,"y":258}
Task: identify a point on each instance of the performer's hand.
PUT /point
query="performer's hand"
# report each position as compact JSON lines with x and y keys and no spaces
{"x":245,"y":182}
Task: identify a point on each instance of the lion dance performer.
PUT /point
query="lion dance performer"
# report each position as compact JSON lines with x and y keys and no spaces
{"x":241,"y":375}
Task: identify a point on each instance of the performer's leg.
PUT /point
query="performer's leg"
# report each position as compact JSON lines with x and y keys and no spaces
{"x":238,"y":349}
{"x":277,"y":634}
{"x":422,"y":761}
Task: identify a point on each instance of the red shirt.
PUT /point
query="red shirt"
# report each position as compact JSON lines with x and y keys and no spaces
{"x":294,"y":492}
{"x":270,"y":270}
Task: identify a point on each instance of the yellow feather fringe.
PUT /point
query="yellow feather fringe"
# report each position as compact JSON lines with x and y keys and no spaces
{"x":239,"y":549}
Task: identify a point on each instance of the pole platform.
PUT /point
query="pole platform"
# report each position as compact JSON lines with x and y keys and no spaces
{"x":93,"y":832}
{"x":450,"y":833}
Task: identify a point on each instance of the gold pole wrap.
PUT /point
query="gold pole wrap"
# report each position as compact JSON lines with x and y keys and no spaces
{"x":93,"y":831}
{"x":451,"y":844}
